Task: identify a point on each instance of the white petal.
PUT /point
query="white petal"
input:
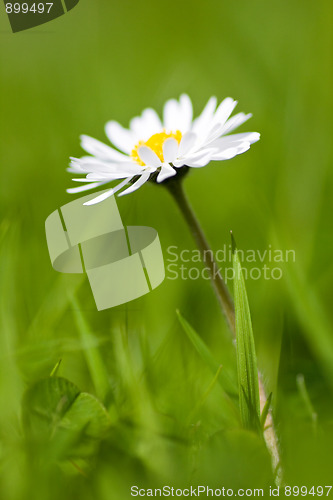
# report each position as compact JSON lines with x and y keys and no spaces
{"x":200,"y":162}
{"x":148,"y":157}
{"x":191,"y":158}
{"x":231,"y":152}
{"x":107,"y":177}
{"x":187,"y":142}
{"x":83,"y":179}
{"x":109,"y":193}
{"x":137,"y":184}
{"x":138,"y":128}
{"x":121,"y":137}
{"x":244,"y":136}
{"x":178,"y":115}
{"x":203,"y":121}
{"x":171,"y":115}
{"x":86,"y":169}
{"x":101,"y":150}
{"x":211,"y":135}
{"x":170,"y":150}
{"x":152,"y":122}
{"x":196,"y":159}
{"x":235,"y":140}
{"x":221,"y":115}
{"x":179,"y":163}
{"x":93,"y":166}
{"x":88,"y":164}
{"x":92,"y":185}
{"x":166,"y":171}
{"x":185,"y":113}
{"x":75,"y":168}
{"x":99,"y":198}
{"x":146,"y":125}
{"x":224,"y":110}
{"x":234,"y":122}
{"x":129,"y":168}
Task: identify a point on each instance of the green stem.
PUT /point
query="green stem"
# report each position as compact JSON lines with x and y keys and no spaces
{"x":177,"y":191}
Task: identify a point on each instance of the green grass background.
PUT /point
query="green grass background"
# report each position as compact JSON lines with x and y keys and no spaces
{"x":108,"y":60}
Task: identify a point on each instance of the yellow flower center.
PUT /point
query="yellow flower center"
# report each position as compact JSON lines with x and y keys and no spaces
{"x":155,"y":142}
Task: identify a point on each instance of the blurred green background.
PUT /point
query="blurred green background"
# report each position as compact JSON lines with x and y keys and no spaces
{"x":109,"y":60}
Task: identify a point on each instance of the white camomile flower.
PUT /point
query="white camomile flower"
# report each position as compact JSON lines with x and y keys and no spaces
{"x":151,"y":149}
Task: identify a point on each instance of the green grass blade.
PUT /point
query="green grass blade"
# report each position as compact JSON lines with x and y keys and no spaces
{"x":306,"y":400}
{"x":205,"y":395}
{"x":309,"y":307}
{"x":225,"y":381}
{"x":91,"y":352}
{"x":265,"y":411}
{"x":55,"y":369}
{"x":249,"y":401}
{"x":223,"y":378}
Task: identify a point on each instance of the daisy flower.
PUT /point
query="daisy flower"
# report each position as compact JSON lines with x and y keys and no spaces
{"x":152,"y":149}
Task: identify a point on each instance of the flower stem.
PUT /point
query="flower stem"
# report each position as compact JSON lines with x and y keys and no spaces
{"x":175,"y":188}
{"x":177,"y":191}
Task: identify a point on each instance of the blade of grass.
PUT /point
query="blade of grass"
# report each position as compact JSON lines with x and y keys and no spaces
{"x":55,"y":369}
{"x":205,"y":396}
{"x":249,"y":401}
{"x":307,"y":401}
{"x":224,"y":380}
{"x":92,"y":355}
{"x":312,"y":315}
{"x":53,"y":306}
{"x":265,"y":411}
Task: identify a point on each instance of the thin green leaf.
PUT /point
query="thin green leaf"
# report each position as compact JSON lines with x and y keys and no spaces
{"x":55,"y":369}
{"x":205,"y":395}
{"x":249,"y":402}
{"x":306,"y":400}
{"x":224,"y":380}
{"x":91,"y":352}
{"x":311,"y":313}
{"x":265,"y":411}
